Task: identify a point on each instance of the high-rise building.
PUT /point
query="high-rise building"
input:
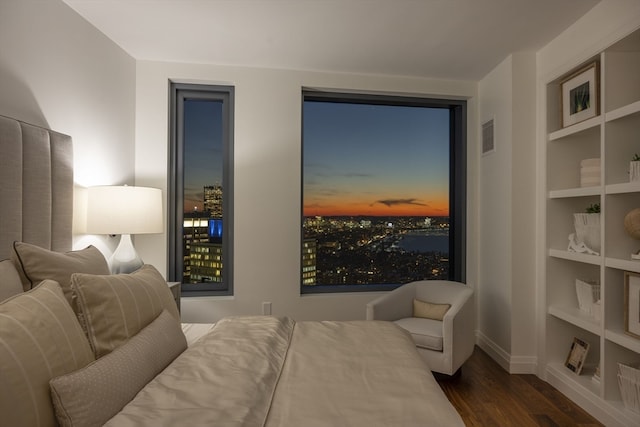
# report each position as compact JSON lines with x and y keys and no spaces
{"x":195,"y":229}
{"x":309,"y":262}
{"x":205,"y":260}
{"x":213,"y":200}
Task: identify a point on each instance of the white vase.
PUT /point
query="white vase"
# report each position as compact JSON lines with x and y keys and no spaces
{"x":634,"y":171}
{"x":587,"y":227}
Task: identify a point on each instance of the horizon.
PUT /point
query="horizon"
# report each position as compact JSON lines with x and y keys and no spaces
{"x":375,"y":160}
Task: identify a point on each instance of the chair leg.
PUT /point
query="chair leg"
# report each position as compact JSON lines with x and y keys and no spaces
{"x":445,"y":377}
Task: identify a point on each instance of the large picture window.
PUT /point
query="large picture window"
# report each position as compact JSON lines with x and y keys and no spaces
{"x":200,"y":187}
{"x":383,"y":187}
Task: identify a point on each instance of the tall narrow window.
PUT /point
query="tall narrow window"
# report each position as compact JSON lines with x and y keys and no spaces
{"x":201,"y":191}
{"x":383,"y":191}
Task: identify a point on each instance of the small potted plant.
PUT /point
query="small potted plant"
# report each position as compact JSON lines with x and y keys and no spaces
{"x":587,"y":225}
{"x":634,"y":168}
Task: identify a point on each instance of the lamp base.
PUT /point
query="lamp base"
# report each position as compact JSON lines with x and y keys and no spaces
{"x":125,"y":259}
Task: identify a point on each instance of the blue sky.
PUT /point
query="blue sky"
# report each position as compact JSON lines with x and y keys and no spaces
{"x":375,"y":159}
{"x":203,"y":149}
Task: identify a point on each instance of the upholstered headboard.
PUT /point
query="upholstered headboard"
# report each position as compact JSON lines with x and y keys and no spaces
{"x":36,"y":186}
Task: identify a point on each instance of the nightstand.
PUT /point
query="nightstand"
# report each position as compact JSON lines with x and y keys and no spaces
{"x":174,"y":287}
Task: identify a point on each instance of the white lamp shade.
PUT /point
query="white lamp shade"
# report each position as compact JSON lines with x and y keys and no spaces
{"x":124,"y":210}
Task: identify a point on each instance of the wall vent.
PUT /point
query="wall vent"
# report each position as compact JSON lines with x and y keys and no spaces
{"x":488,"y":139}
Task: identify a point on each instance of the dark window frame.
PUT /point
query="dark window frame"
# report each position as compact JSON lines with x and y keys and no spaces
{"x":457,"y":179}
{"x":178,"y":93}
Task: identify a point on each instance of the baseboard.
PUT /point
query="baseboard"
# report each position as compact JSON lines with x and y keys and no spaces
{"x":511,"y":364}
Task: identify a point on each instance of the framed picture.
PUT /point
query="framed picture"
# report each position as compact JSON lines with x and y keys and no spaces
{"x":577,"y":355}
{"x":580,"y":95}
{"x":632,"y":304}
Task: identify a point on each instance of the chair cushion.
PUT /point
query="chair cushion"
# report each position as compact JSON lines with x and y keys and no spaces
{"x":429,"y":310}
{"x":426,"y":333}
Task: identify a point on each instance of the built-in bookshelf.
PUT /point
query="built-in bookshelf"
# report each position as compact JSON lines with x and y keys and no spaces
{"x":613,"y":136}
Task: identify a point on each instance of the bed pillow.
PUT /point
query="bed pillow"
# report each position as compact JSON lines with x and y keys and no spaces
{"x":10,"y":283}
{"x":113,"y":308}
{"x":36,"y":264}
{"x":40,"y":338}
{"x":94,"y":394}
{"x":429,"y":310}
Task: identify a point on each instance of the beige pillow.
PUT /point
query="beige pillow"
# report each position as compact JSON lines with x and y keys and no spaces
{"x":10,"y":283}
{"x":429,"y":310}
{"x":97,"y":392}
{"x":36,"y":264}
{"x":114,"y":308}
{"x":40,"y":338}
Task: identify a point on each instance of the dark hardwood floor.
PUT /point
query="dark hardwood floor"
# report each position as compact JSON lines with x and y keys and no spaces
{"x":486,"y":395}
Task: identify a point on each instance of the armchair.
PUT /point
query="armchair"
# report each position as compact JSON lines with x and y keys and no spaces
{"x":446,"y":344}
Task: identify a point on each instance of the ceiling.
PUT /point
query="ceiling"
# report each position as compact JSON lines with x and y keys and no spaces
{"x":449,"y":39}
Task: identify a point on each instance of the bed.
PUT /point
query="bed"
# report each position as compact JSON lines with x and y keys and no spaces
{"x":80,"y":347}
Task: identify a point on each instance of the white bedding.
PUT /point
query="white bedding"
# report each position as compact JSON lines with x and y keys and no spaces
{"x":194,"y":331}
{"x":265,"y":371}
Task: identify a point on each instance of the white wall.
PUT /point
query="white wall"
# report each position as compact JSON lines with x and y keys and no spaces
{"x":57,"y":71}
{"x":495,"y":99}
{"x":506,"y":285}
{"x":523,"y":215}
{"x":267,"y":180}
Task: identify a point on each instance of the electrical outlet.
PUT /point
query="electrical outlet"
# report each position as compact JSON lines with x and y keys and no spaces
{"x":266,"y":308}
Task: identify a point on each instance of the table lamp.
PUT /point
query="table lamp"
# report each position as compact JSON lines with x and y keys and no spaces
{"x":124,"y":210}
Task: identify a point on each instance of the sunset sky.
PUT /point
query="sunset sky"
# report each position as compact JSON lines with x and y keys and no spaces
{"x":375,"y":160}
{"x":357,"y":159}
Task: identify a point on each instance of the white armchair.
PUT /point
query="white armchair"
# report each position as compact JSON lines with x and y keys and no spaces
{"x":446,"y":344}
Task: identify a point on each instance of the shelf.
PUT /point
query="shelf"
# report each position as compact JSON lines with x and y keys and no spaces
{"x":577,"y":128}
{"x":582,"y":382}
{"x":576,"y":192}
{"x":576,"y":318}
{"x":622,"y":339}
{"x":622,"y":188}
{"x":575,"y":256}
{"x":630,"y":418}
{"x":611,"y":137}
{"x":623,"y":264}
{"x":624,"y":111}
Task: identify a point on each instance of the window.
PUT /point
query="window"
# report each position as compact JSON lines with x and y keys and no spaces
{"x":200,"y":188}
{"x":383,"y":188}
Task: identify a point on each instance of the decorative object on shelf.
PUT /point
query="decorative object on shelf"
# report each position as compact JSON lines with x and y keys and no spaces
{"x":634,"y":168}
{"x":587,"y":236}
{"x":577,"y":355}
{"x":632,"y":227}
{"x":629,"y":383}
{"x":632,"y":304}
{"x":588,"y":293}
{"x":580,"y":94}
{"x":124,"y":210}
{"x":590,"y":172}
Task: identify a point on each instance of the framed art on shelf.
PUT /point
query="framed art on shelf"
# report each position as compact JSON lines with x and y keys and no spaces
{"x":577,"y":355}
{"x":580,"y":95}
{"x":632,"y":304}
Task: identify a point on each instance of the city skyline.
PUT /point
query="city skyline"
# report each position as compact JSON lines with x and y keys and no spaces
{"x":375,"y":160}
